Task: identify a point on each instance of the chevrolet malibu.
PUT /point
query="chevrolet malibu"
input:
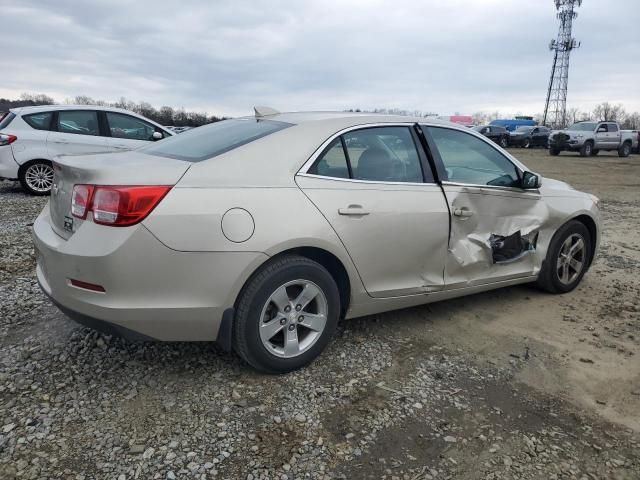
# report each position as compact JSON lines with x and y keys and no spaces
{"x":261,"y":232}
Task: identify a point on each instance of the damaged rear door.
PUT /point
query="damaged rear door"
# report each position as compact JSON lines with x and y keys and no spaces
{"x":494,"y":222}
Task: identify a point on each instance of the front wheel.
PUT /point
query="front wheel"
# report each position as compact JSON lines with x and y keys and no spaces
{"x":568,"y":258}
{"x":286,"y":315}
{"x":526,"y":143}
{"x":554,"y":151}
{"x":36,"y":177}
{"x":586,"y":150}
{"x":504,"y":142}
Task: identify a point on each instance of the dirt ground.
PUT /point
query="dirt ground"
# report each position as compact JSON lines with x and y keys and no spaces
{"x":513,"y":383}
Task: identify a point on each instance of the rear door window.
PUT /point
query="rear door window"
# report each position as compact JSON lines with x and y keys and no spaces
{"x":613,"y":127}
{"x":214,"y":139}
{"x":39,"y":121}
{"x":378,"y":154}
{"x":384,"y":154}
{"x":79,"y":122}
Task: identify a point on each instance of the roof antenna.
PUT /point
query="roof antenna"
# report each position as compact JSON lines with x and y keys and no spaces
{"x":265,"y":111}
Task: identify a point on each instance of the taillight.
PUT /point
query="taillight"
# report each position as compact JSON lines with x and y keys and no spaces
{"x":114,"y":205}
{"x":6,"y":139}
{"x":80,"y":200}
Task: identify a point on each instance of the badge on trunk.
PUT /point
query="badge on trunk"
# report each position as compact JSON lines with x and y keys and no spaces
{"x":68,"y":224}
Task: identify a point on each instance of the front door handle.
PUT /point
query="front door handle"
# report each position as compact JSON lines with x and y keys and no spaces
{"x":355,"y":210}
{"x":462,"y":212}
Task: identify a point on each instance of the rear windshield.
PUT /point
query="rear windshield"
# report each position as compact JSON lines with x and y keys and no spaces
{"x":5,"y":119}
{"x":215,"y":139}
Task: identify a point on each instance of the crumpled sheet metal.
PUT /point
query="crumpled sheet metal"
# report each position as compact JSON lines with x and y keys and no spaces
{"x":471,"y":253}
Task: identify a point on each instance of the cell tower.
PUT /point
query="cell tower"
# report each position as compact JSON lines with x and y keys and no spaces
{"x":556,"y":107}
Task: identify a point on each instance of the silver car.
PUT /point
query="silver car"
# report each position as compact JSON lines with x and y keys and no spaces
{"x":261,"y":232}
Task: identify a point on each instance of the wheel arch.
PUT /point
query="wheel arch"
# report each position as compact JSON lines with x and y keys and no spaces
{"x":23,"y":166}
{"x":334,"y":265}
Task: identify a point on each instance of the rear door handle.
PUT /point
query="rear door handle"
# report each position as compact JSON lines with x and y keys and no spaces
{"x":355,"y":210}
{"x":462,"y":212}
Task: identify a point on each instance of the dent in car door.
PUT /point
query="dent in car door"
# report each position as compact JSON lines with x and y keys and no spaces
{"x":396,"y":234}
{"x":481,"y":219}
{"x":494,"y":226}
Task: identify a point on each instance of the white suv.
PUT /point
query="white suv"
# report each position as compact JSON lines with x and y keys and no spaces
{"x":30,"y":137}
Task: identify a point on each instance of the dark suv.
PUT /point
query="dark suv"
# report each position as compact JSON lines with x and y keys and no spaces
{"x":500,"y":135}
{"x":530,"y":137}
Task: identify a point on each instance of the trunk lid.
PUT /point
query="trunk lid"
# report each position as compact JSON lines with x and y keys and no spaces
{"x":124,"y":168}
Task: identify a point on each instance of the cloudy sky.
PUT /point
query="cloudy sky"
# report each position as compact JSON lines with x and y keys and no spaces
{"x":226,"y":56}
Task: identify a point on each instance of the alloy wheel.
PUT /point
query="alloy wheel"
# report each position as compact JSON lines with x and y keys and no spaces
{"x":39,"y":177}
{"x":293,"y":318}
{"x":571,"y":259}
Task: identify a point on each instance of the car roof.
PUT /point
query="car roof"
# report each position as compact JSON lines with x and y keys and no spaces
{"x":52,"y":108}
{"x":49,"y":108}
{"x":347,"y":119}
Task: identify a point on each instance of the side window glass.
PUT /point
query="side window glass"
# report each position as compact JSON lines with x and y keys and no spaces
{"x":39,"y":121}
{"x":470,"y":160}
{"x":332,"y":163}
{"x":81,"y":122}
{"x":384,"y":154}
{"x":131,"y":128}
{"x":613,"y":127}
{"x":602,"y":128}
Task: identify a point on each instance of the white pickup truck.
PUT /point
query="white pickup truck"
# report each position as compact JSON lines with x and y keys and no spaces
{"x":589,"y":138}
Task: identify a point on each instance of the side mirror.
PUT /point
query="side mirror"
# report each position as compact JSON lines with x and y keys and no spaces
{"x":531,"y":181}
{"x":157,"y":136}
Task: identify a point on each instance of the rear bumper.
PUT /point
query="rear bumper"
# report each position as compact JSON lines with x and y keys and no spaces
{"x":151,"y":291}
{"x":8,"y":165}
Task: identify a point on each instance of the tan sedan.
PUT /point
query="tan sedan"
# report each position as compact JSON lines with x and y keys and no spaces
{"x":261,"y":232}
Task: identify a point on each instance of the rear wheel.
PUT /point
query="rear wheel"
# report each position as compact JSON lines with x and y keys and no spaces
{"x":624,"y":150}
{"x":286,"y":315}
{"x":587,"y":149}
{"x":504,"y":142}
{"x":526,"y":143}
{"x":36,"y":177}
{"x":568,"y":258}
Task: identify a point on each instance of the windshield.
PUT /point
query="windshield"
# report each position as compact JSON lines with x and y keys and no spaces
{"x":479,"y":128}
{"x":523,"y":129}
{"x":583,"y":126}
{"x":214,"y":139}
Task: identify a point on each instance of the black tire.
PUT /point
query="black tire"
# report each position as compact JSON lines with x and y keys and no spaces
{"x":526,"y":143}
{"x":504,"y":142}
{"x":554,"y":151}
{"x":26,"y":184}
{"x":624,"y":150}
{"x":549,"y":278}
{"x":587,"y":149}
{"x":595,"y":152}
{"x":254,"y":296}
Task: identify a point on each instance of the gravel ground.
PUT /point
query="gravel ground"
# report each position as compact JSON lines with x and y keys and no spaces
{"x":511,"y":384}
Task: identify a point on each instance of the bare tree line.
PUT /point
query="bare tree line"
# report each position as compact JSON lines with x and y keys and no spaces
{"x":165,"y":115}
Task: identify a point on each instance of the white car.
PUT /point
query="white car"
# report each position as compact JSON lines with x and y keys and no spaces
{"x":31,"y":137}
